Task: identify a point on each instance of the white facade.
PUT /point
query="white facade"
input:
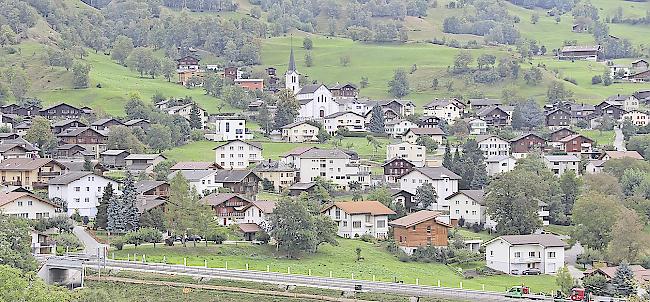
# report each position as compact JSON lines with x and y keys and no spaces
{"x":443,"y":181}
{"x":493,"y":145}
{"x":416,"y":154}
{"x":333,"y":165}
{"x":186,"y":112}
{"x":355,"y":225}
{"x":201,"y":180}
{"x":350,"y":120}
{"x":461,"y":205}
{"x":516,"y":258}
{"x":559,"y":164}
{"x":26,"y":206}
{"x":228,"y":129}
{"x":237,"y":155}
{"x":316,"y":104}
{"x":83,"y":194}
{"x":477,"y":126}
{"x":499,"y":164}
{"x":449,"y":111}
{"x":292,"y":81}
{"x":355,"y":106}
{"x":299,"y":132}
{"x":398,"y":127}
{"x":637,"y":117}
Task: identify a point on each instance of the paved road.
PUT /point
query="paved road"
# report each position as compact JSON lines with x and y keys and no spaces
{"x":619,"y":140}
{"x":570,"y":257}
{"x":91,"y":246}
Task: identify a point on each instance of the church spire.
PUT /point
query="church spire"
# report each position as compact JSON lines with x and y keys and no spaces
{"x":292,"y":61}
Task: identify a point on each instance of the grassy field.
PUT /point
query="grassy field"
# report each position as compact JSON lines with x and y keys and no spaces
{"x":468,"y":234}
{"x":559,"y":229}
{"x":602,"y":138}
{"x":340,"y":260}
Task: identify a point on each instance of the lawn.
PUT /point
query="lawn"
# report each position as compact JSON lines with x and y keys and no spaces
{"x":469,"y":234}
{"x":340,"y":260}
{"x":559,"y":229}
{"x":602,"y":138}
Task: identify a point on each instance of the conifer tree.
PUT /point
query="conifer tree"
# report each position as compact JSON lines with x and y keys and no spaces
{"x":101,"y":219}
{"x":377,"y":122}
{"x":623,"y":281}
{"x":131,"y":213}
{"x":195,"y":119}
{"x":115,"y":221}
{"x":447,"y":160}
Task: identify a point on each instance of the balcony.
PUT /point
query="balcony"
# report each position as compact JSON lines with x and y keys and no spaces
{"x":236,"y":215}
{"x":527,"y":260}
{"x":49,"y":173}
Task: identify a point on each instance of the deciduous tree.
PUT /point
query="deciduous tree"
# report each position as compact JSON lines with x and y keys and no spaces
{"x":594,"y":215}
{"x":399,"y":85}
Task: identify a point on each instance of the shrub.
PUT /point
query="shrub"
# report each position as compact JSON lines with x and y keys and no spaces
{"x":367,"y":238}
{"x":596,"y":80}
{"x":118,"y":243}
{"x":68,"y":240}
{"x":262,"y":237}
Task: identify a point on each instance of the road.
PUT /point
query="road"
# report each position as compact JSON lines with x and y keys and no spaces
{"x":619,"y":140}
{"x":570,"y":257}
{"x":307,"y":281}
{"x":91,"y":246}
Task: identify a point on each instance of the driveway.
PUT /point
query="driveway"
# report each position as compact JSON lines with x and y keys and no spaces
{"x":619,"y":140}
{"x":570,"y":257}
{"x":91,"y":246}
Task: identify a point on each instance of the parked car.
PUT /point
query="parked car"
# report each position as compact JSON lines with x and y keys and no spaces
{"x":514,"y":272}
{"x":532,"y":271}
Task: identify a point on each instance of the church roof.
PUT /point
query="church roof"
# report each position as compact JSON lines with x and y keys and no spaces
{"x":292,"y":62}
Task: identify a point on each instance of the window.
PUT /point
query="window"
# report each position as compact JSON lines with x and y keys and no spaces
{"x":517,"y":254}
{"x":77,"y":189}
{"x":551,"y":255}
{"x":77,"y":200}
{"x":356,"y":224}
{"x":29,"y":202}
{"x":531,"y":254}
{"x":368,"y":219}
{"x":20,"y":203}
{"x":338,"y":213}
{"x":381,"y":223}
{"x":87,"y":189}
{"x":429,"y":229}
{"x":86,"y":199}
{"x":345,"y":223}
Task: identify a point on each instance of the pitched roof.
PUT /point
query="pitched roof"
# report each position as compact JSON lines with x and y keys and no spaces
{"x":546,"y":240}
{"x":69,"y":177}
{"x":361,"y":207}
{"x":623,"y":154}
{"x":65,"y":122}
{"x":444,"y":102}
{"x":78,"y":130}
{"x":496,"y":158}
{"x":302,"y":186}
{"x":484,"y":102}
{"x":339,"y":85}
{"x":485,"y":111}
{"x":325,"y":153}
{"x":146,"y":185}
{"x":254,"y":144}
{"x":103,"y":121}
{"x":192,"y":175}
{"x":113,"y":152}
{"x":6,"y":198}
{"x":562,"y":158}
{"x":340,"y":113}
{"x":294,"y":124}
{"x":556,"y":110}
{"x":57,"y":105}
{"x":475,"y":195}
{"x":480,"y":138}
{"x":426,"y":131}
{"x":417,"y":218}
{"x":299,"y":150}
{"x":266,"y":206}
{"x":525,"y":135}
{"x":273,"y":166}
{"x":26,"y":164}
{"x":581,"y":48}
{"x":143,"y":156}
{"x":292,"y":62}
{"x":574,"y":136}
{"x":227,"y":176}
{"x":436,"y":173}
{"x":135,"y":121}
{"x":249,"y":227}
{"x":641,"y":274}
{"x":219,"y":198}
{"x":311,"y":88}
{"x":195,"y":165}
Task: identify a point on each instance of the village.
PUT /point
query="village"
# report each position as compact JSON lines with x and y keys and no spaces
{"x":482,"y":181}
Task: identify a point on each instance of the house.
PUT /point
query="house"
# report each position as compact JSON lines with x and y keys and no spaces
{"x":496,"y":164}
{"x":156,"y":188}
{"x":428,"y":122}
{"x":619,"y":71}
{"x":477,"y":126}
{"x":250,"y":84}
{"x":412,"y":135}
{"x":256,"y":218}
{"x":620,"y":154}
{"x":477,"y":104}
{"x":470,"y":206}
{"x":400,"y":108}
{"x":638,"y":118}
{"x":61,"y":111}
{"x":588,"y":52}
{"x":640,"y":77}
{"x":496,"y":116}
{"x":238,"y":154}
{"x":142,"y":123}
{"x":641,"y":274}
{"x":238,"y":181}
{"x":105,"y":123}
{"x":404,"y":198}
{"x":91,"y":139}
{"x":279,"y":174}
{"x":63,"y":125}
{"x":420,"y":229}
{"x":143,"y":162}
{"x":195,"y":165}
{"x":613,"y":111}
{"x":576,"y":143}
{"x":443,"y":181}
{"x":640,"y":64}
{"x":299,"y":132}
{"x":524,"y":144}
{"x":227,"y":207}
{"x":397,"y":127}
{"x":357,"y":218}
{"x":353,"y":105}
{"x":335,"y":165}
{"x":29,"y":173}
{"x":561,"y":133}
{"x":445,"y":109}
{"x":300,"y":187}
{"x":201,"y":180}
{"x":185,"y":111}
{"x":228,"y":128}
{"x":513,"y":254}
{"x":344,"y":91}
{"x":42,"y":242}
{"x":628,"y":102}
{"x":642,"y":95}
{"x":72,"y":151}
{"x":389,"y":115}
{"x":493,"y":145}
{"x":188,"y":63}
{"x":557,"y":118}
{"x":595,"y":166}
{"x":293,"y":157}
{"x":232,"y":72}
{"x":26,"y":205}
{"x":351,"y":121}
{"x":580,"y":27}
{"x":114,"y":158}
{"x":415,"y":154}
{"x":560,"y":164}
{"x":396,"y":167}
{"x":187,"y":69}
{"x":81,"y":190}
{"x":18,"y":110}
{"x":17,"y":148}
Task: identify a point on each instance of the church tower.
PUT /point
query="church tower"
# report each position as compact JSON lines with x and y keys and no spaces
{"x":291,"y":77}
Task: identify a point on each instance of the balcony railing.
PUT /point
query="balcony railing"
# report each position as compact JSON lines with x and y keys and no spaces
{"x":49,"y":173}
{"x":527,"y":260}
{"x":230,"y":214}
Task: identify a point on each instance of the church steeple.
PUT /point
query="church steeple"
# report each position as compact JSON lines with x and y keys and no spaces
{"x":292,"y":77}
{"x":292,"y":61}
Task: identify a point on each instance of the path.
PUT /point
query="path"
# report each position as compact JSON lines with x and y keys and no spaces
{"x":91,"y":246}
{"x":619,"y":140}
{"x":570,"y":258}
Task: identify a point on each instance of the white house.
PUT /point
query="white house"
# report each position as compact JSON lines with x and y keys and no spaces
{"x":81,"y":190}
{"x":299,"y":132}
{"x":397,"y":127}
{"x":493,"y":145}
{"x":335,"y":165}
{"x":143,"y":162}
{"x":26,"y":205}
{"x":468,"y":205}
{"x":352,"y":121}
{"x":559,"y":164}
{"x":354,"y":105}
{"x":228,"y":128}
{"x":258,"y":212}
{"x":496,"y":164}
{"x":412,"y":135}
{"x":316,"y":102}
{"x":448,"y":110}
{"x":201,"y":180}
{"x":356,"y":218}
{"x":238,"y":154}
{"x":637,"y":117}
{"x":292,"y":158}
{"x":444,"y":182}
{"x":416,"y":154}
{"x":186,"y":112}
{"x":477,"y":126}
{"x":514,"y":254}
{"x":595,"y":166}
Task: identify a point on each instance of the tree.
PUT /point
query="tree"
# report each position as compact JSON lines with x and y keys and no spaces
{"x":631,"y":180}
{"x":623,"y":283}
{"x":399,"y":85}
{"x":264,"y":119}
{"x":485,"y":61}
{"x":557,"y":92}
{"x":18,"y":82}
{"x":364,"y":82}
{"x":428,"y":142}
{"x":309,"y":61}
{"x":629,"y":240}
{"x":447,"y":160}
{"x":377,"y":123}
{"x":121,"y":49}
{"x":462,"y":61}
{"x":101,"y":219}
{"x":88,"y":165}
{"x":7,"y":35}
{"x":325,"y":231}
{"x":159,"y":137}
{"x":16,"y":285}
{"x":345,"y":60}
{"x":425,"y":195}
{"x":570,"y":186}
{"x":594,"y":215}
{"x":168,"y":69}
{"x":291,"y":226}
{"x":122,"y":138}
{"x":184,"y":211}
{"x":40,"y":134}
{"x":143,"y":61}
{"x":533,"y":76}
{"x":596,"y":285}
{"x":564,"y":280}
{"x":527,"y":115}
{"x":163,"y":169}
{"x":607,"y":78}
{"x":80,"y":75}
{"x":131,"y":215}
{"x":307,"y":43}
{"x":15,"y":244}
{"x":534,"y":18}
{"x":195,"y":118}
{"x":287,"y":109}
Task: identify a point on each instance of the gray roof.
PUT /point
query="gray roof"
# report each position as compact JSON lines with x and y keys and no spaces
{"x":325,"y":153}
{"x":65,"y":122}
{"x":496,"y":158}
{"x":558,"y":158}
{"x":219,"y":198}
{"x":146,"y":185}
{"x":581,"y":48}
{"x":444,"y":102}
{"x":292,"y":61}
{"x":426,"y":131}
{"x":113,"y":152}
{"x":68,"y":177}
{"x":287,"y":126}
{"x":103,"y":121}
{"x":254,"y":144}
{"x":311,"y":88}
{"x":335,"y":115}
{"x":143,"y":156}
{"x":231,"y":175}
{"x":273,"y":166}
{"x":135,"y":121}
{"x":480,"y":138}
{"x":302,"y":186}
{"x":476,"y":195}
{"x":546,"y":240}
{"x":78,"y":130}
{"x":437,"y":173}
{"x":192,"y":175}
{"x":484,"y":102}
